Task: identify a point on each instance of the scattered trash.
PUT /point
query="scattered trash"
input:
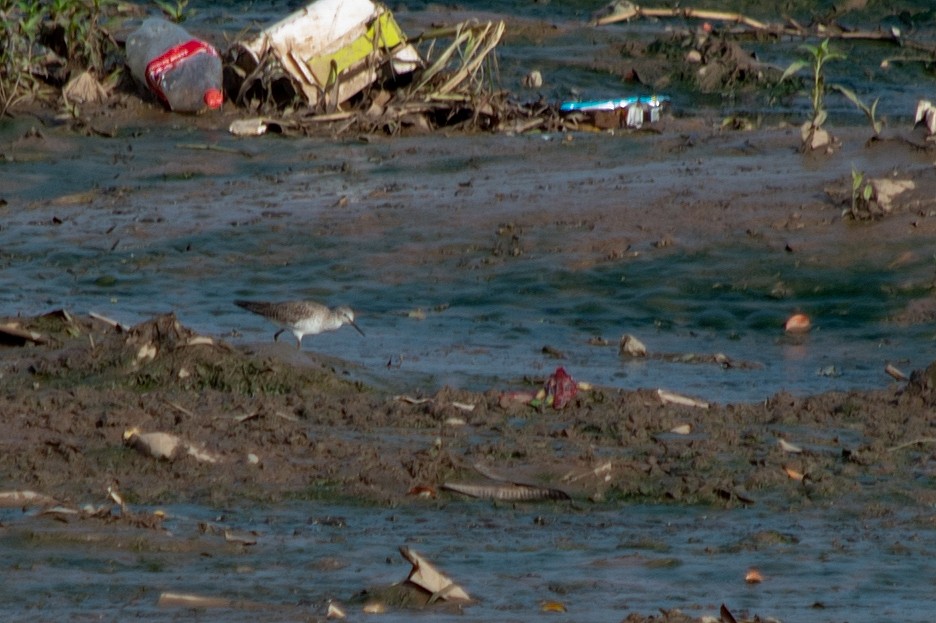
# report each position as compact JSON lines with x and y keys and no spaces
{"x":507,"y":490}
{"x":628,"y":112}
{"x":330,"y":50}
{"x":552,"y":606}
{"x":797,"y":323}
{"x":248,"y":127}
{"x":428,"y":578}
{"x":895,"y":373}
{"x":926,"y":115}
{"x":335,"y":611}
{"x":533,"y":80}
{"x":182,"y":71}
{"x":753,"y":576}
{"x":793,"y":474}
{"x":630,"y":346}
{"x":682,"y":429}
{"x":165,"y":446}
{"x":786,"y":446}
{"x":671,"y":398}
{"x":560,"y":389}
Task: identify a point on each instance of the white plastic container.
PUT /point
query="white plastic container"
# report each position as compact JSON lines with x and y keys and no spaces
{"x":182,"y":71}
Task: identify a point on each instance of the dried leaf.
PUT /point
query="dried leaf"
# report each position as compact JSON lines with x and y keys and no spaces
{"x":507,"y":492}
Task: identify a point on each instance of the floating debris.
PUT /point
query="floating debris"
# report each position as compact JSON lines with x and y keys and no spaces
{"x":926,"y":115}
{"x":552,"y":606}
{"x":797,"y":323}
{"x":428,"y":578}
{"x":630,"y":346}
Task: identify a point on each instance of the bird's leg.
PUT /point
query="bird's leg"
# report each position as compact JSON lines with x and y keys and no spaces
{"x":298,"y":343}
{"x":277,"y":334}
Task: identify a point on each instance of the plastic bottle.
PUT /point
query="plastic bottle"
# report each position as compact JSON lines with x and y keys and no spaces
{"x":182,"y":71}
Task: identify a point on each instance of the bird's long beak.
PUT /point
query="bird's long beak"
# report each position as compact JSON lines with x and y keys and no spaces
{"x":354,"y":324}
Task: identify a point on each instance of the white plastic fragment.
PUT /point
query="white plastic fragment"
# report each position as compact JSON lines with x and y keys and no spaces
{"x":678,"y":399}
{"x":427,"y":577}
{"x":165,"y":446}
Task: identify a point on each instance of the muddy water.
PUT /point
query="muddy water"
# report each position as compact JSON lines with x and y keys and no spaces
{"x":816,"y":566}
{"x":464,"y":257}
{"x":475,"y":261}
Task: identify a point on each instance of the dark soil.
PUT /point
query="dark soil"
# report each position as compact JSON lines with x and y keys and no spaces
{"x":68,"y":403}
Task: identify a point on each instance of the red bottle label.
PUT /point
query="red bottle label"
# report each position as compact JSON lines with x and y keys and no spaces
{"x":169,"y":60}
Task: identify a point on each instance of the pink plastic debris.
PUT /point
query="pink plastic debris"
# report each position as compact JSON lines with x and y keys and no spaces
{"x":560,"y":388}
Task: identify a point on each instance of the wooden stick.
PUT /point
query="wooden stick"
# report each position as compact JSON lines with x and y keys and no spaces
{"x":624,"y":10}
{"x":912,"y":443}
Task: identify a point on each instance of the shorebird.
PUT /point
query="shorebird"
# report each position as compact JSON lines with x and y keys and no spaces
{"x":301,"y":317}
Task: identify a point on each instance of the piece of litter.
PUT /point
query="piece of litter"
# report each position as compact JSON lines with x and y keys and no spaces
{"x":671,"y":398}
{"x":786,"y":446}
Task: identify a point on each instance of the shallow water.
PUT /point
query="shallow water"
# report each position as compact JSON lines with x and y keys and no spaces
{"x":462,"y":266}
{"x":817,"y":566}
{"x":141,"y":224}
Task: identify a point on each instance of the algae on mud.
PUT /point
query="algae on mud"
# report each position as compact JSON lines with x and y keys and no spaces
{"x":71,"y":400}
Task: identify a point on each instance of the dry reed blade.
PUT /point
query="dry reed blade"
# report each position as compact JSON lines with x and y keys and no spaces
{"x":507,"y":493}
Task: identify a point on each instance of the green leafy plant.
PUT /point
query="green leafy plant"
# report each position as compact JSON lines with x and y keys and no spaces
{"x":20,"y":23}
{"x":173,"y":10}
{"x":813,"y":135}
{"x":870,"y":111}
{"x":46,"y":42}
{"x":819,"y":56}
{"x":861,"y":195}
